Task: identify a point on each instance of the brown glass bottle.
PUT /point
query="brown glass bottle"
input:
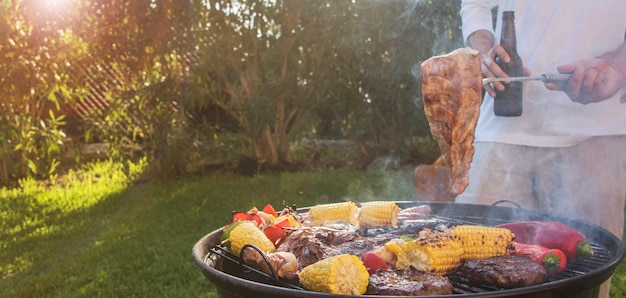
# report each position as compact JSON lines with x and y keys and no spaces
{"x":509,"y":101}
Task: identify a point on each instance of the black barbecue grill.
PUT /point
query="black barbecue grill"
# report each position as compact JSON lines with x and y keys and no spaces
{"x":235,"y":279}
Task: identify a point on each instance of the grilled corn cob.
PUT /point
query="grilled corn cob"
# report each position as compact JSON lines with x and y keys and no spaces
{"x":437,"y":254}
{"x":394,"y":245}
{"x":378,"y":214}
{"x":480,"y":242}
{"x":248,"y":233}
{"x":341,"y":274}
{"x":330,"y":213}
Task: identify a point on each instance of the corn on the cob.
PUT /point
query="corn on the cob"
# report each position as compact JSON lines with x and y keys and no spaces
{"x":394,"y":245}
{"x":378,"y":214}
{"x":480,"y":242}
{"x":341,"y":274}
{"x":248,"y":233}
{"x":438,"y":255}
{"x":331,"y":213}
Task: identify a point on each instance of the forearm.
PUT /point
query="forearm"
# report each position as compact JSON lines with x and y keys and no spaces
{"x":476,"y":15}
{"x":483,"y":41}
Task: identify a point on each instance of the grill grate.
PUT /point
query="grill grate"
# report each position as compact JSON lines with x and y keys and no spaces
{"x":224,"y":260}
{"x":230,"y":263}
{"x":601,"y":257}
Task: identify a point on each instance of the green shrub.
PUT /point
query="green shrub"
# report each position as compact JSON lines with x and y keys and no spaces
{"x":31,"y":145}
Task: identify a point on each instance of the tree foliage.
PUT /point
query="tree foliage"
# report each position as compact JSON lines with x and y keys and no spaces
{"x":189,"y":78}
{"x":335,"y":69}
{"x":34,"y":53}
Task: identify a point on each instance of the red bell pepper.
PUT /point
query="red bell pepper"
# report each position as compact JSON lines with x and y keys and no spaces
{"x":285,"y":222}
{"x":554,"y":260}
{"x":269,"y":209}
{"x":552,"y":234}
{"x":244,"y":216}
{"x":275,"y":234}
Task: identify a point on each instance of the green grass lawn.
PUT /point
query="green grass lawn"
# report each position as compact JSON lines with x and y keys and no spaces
{"x":92,"y":234}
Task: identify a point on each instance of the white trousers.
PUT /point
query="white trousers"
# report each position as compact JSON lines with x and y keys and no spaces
{"x":586,"y":181}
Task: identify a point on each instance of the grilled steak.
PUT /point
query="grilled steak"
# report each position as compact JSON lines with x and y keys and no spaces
{"x":312,"y":245}
{"x":451,"y":87}
{"x":408,"y":283}
{"x":504,"y":272}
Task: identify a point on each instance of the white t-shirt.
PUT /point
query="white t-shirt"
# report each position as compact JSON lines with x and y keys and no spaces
{"x":551,"y":33}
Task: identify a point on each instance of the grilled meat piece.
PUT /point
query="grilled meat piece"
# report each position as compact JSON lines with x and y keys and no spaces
{"x":408,"y":283}
{"x":504,"y":272}
{"x":451,"y":87}
{"x":283,"y":263}
{"x":310,"y":245}
{"x":306,"y":247}
{"x":357,"y":247}
{"x":432,"y":182}
{"x":407,"y":228}
{"x":334,"y":237}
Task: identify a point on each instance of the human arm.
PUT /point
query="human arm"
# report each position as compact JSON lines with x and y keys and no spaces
{"x":478,"y":34}
{"x":483,"y":41}
{"x":596,"y":79}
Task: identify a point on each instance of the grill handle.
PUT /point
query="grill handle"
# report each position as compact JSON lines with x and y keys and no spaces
{"x":258,"y":250}
{"x":496,"y":203}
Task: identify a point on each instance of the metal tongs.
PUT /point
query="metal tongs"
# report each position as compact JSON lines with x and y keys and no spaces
{"x":545,"y":77}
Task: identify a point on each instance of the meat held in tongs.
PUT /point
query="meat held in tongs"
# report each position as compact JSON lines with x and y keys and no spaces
{"x":451,"y":88}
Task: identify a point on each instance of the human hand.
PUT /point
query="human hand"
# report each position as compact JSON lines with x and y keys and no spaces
{"x":491,"y":69}
{"x":592,"y":80}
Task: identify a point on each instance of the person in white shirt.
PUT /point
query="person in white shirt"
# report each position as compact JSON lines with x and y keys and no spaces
{"x":566,"y":153}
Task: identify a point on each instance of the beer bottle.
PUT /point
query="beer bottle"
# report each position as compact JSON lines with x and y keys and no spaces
{"x":509,"y":101}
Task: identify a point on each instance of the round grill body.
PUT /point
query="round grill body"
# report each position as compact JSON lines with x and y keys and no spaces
{"x":581,"y":279}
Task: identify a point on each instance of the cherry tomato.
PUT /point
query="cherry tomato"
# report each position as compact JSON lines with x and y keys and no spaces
{"x":373,"y":262}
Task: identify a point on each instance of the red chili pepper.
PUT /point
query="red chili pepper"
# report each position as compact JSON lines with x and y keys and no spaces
{"x":554,"y":260}
{"x":552,"y":234}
